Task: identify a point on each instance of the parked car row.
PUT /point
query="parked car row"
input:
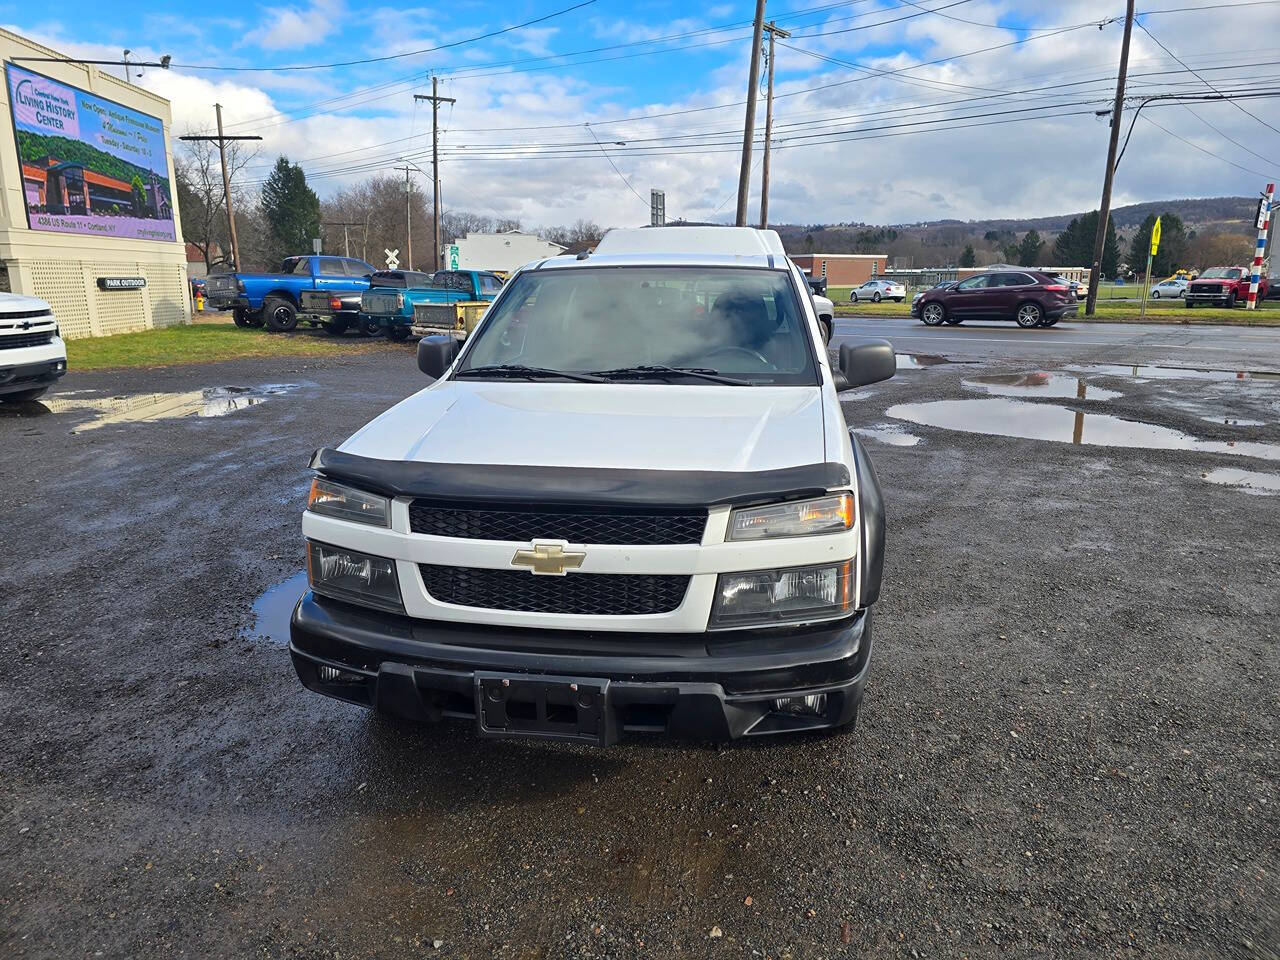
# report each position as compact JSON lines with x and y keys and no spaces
{"x":341,"y":294}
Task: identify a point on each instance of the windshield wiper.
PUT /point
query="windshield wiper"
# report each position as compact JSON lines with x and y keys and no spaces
{"x":652,"y":369}
{"x":515,"y":370}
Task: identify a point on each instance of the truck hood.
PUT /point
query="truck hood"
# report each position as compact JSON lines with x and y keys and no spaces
{"x":627,"y":426}
{"x":17,"y":303}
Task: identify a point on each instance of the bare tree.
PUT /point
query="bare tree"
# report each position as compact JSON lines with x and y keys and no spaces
{"x":201,"y":200}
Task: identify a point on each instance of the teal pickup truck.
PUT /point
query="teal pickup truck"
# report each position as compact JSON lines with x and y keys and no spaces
{"x":400,"y":299}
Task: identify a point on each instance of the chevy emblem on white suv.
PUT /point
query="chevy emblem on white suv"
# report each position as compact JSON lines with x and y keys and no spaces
{"x":548,"y":558}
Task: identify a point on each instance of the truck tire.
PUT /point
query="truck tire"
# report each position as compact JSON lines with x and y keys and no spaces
{"x":1231,"y":301}
{"x":370,"y":328}
{"x":280,"y":314}
{"x":337,"y":326}
{"x":246,"y":319}
{"x":398,"y":334}
{"x":1190,"y":304}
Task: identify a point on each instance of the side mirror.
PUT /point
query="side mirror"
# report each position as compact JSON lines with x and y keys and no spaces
{"x":868,"y":362}
{"x":436,"y":354}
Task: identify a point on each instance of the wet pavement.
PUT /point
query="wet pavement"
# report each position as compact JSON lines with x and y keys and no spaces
{"x":1067,"y":748}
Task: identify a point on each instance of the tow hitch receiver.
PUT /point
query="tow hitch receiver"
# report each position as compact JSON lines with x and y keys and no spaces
{"x":545,"y":708}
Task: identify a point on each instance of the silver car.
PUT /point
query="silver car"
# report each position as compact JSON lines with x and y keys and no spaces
{"x":1169,"y":288}
{"x":877,"y":290}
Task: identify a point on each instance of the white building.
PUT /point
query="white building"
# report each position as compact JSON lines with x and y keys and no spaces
{"x":497,"y":251}
{"x":88,"y":220}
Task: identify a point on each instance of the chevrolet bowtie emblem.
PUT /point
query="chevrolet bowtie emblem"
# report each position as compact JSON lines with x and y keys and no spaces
{"x":548,"y":559}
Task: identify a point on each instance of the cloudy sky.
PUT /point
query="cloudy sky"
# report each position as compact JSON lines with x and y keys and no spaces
{"x":888,"y":111}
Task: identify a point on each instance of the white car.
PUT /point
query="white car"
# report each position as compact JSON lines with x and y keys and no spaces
{"x":628,"y":503}
{"x":32,"y":354}
{"x":1169,"y":288}
{"x":877,"y":290}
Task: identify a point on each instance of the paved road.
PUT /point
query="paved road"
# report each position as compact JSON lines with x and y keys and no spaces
{"x":1219,"y":348}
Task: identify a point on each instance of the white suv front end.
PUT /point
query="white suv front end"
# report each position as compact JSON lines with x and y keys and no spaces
{"x":32,"y":354}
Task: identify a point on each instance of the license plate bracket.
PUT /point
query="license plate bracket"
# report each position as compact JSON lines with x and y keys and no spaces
{"x":544,"y":708}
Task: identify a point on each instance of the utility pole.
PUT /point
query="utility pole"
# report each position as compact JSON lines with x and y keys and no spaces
{"x":749,"y":127}
{"x":436,"y":100}
{"x":346,"y":237}
{"x":222,"y":140}
{"x":774,"y":31}
{"x":1104,"y":210}
{"x":408,"y":225}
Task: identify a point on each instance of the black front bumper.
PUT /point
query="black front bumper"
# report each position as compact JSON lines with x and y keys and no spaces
{"x":31,"y":376}
{"x":715,"y":686}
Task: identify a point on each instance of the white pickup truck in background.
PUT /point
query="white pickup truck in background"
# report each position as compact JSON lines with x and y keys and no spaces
{"x":32,"y":354}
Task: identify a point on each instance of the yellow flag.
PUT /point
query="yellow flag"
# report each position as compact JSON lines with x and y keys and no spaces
{"x":1155,"y":237}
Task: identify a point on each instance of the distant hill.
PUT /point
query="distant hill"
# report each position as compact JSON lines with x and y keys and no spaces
{"x":1225,"y":211}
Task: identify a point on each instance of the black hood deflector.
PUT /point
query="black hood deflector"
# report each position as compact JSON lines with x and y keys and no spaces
{"x":589,"y":485}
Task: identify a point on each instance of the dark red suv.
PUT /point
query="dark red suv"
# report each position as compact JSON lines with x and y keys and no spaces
{"x":1028,"y":297}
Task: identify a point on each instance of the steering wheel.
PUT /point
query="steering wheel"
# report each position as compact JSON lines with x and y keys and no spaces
{"x":753,"y":354}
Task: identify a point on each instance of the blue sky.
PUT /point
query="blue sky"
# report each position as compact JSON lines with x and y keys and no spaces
{"x":869,"y":128}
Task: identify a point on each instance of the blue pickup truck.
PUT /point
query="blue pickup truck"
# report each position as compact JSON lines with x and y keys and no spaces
{"x":276,"y":298}
{"x":398,"y":301}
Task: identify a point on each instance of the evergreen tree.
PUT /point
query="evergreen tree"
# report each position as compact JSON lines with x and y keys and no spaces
{"x":291,"y":210}
{"x":968,"y":258}
{"x":1011,"y":252}
{"x":1074,"y":246}
{"x":1029,"y":249}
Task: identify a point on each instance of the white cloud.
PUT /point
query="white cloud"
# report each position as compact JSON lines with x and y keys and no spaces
{"x":295,"y":28}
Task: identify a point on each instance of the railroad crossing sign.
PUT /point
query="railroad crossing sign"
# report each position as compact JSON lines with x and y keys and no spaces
{"x":393,"y":257}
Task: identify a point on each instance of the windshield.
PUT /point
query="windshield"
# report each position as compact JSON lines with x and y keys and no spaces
{"x":743,"y":323}
{"x":1221,"y":273}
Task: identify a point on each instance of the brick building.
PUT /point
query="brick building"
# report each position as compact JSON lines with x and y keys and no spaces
{"x":842,"y":269}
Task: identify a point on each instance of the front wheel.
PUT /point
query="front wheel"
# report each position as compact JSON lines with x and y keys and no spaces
{"x":245,"y":319}
{"x":280,"y":314}
{"x":898,"y":299}
{"x":1049,"y":321}
{"x":370,"y":328}
{"x":23,"y":396}
{"x":853,"y":296}
{"x":1029,"y":315}
{"x":1231,"y":301}
{"x":875,"y":297}
{"x":1155,"y":294}
{"x":933,"y":314}
{"x":1190,"y":304}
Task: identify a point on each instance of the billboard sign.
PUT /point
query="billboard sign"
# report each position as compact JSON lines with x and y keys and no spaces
{"x":89,"y":165}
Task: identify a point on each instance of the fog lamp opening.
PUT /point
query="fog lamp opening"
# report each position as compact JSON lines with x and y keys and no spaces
{"x":334,"y":675}
{"x":814,"y":705}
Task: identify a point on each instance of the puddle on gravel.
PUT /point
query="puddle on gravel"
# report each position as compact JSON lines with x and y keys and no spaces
{"x":1247,"y":481}
{"x":1139,"y":372}
{"x":146,"y":407}
{"x":1040,"y":385}
{"x":1235,"y":422}
{"x":998,"y":416}
{"x":888,"y":433}
{"x":923,"y":361}
{"x":274,"y":607}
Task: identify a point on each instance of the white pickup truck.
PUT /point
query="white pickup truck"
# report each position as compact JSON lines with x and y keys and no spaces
{"x":629,"y":503}
{"x":32,"y":354}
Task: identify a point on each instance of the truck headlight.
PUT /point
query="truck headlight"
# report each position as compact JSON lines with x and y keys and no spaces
{"x":800,"y":518}
{"x":331,"y":499}
{"x":352,"y":576}
{"x":792,"y":595}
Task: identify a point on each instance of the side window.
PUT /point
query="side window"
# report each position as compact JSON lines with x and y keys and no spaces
{"x":354,"y":268}
{"x":489,"y":284}
{"x":974,"y":283}
{"x":295,"y":265}
{"x":330,"y":267}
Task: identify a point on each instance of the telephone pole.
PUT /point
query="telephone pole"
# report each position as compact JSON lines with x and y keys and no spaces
{"x":346,"y":237}
{"x":774,"y":31}
{"x":436,"y":100}
{"x":1104,"y":210}
{"x":222,"y":140}
{"x":408,"y":222}
{"x":749,"y":127}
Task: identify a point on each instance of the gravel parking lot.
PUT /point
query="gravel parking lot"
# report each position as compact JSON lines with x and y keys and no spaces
{"x":1068,"y":746}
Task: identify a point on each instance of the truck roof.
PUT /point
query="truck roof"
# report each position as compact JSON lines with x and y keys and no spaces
{"x":682,"y":246}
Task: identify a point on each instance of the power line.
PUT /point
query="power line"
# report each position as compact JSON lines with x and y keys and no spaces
{"x":392,"y":56}
{"x":1206,"y":82}
{"x":1215,"y":156}
{"x":614,"y":165}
